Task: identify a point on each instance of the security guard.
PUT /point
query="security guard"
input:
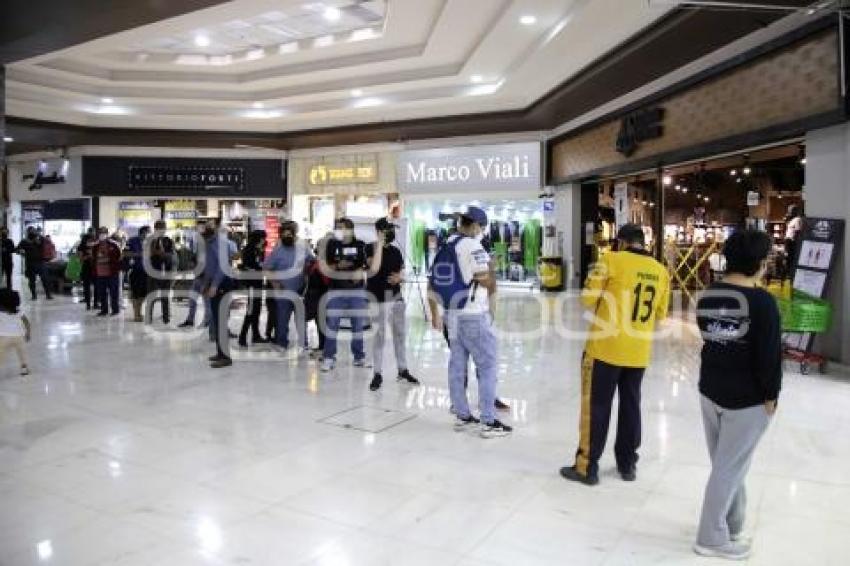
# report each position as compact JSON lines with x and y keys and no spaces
{"x":627,"y":291}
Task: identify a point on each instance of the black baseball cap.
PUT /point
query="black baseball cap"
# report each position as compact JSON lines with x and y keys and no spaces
{"x":632,"y":234}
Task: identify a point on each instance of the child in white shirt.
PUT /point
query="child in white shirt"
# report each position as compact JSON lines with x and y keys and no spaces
{"x":14,"y":328}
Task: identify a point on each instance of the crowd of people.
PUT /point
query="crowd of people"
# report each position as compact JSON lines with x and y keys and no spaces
{"x":341,"y":277}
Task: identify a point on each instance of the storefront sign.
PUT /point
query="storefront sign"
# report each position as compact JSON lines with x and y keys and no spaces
{"x":510,"y":166}
{"x":638,"y":127}
{"x":753,"y":198}
{"x":134,"y":215}
{"x":180,"y":214}
{"x":181,"y":178}
{"x":320,"y":175}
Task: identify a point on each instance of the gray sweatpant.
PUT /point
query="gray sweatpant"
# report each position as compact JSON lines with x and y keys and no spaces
{"x":732,"y":437}
{"x":395,"y":312}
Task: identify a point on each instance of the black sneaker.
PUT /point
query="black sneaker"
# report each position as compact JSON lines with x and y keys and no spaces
{"x":501,"y":405}
{"x":495,"y":429}
{"x":376,"y":382}
{"x":464,"y":424}
{"x":570,"y":473}
{"x":187,"y":324}
{"x":221,"y":363}
{"x":629,"y":475}
{"x":405,"y":376}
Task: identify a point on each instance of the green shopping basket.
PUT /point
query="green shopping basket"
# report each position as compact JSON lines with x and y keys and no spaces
{"x":804,"y":313}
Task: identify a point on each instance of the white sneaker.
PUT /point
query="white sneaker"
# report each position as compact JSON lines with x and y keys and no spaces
{"x":328,"y":364}
{"x":361,"y":363}
{"x":465,"y":424}
{"x":732,"y":551}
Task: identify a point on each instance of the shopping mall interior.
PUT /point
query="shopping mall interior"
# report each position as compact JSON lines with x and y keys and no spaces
{"x":594,"y":175}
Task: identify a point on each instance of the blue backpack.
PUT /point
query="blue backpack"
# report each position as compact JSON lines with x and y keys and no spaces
{"x":446,"y":279}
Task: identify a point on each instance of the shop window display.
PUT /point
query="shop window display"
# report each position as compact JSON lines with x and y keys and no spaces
{"x":514,"y":236}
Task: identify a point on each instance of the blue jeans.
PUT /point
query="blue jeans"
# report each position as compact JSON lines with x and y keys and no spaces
{"x":339,"y":305}
{"x":472,"y":335}
{"x":198,"y":287}
{"x":285,"y":309}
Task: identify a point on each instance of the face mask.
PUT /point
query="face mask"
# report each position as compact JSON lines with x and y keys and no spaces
{"x":287,"y":240}
{"x":339,"y":234}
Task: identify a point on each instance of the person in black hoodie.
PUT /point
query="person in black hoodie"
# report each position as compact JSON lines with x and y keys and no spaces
{"x":7,"y":249}
{"x":252,"y":269}
{"x":32,"y":248}
{"x":740,"y":380}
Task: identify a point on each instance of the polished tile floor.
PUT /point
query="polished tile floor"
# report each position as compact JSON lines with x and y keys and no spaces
{"x":124,"y":448}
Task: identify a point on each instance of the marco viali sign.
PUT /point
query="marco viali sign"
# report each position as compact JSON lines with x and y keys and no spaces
{"x":509,"y":166}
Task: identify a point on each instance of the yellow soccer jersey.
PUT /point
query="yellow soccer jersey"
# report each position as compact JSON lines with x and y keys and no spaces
{"x":628,"y":292}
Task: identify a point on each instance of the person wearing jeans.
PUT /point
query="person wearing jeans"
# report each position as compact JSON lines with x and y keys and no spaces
{"x":740,"y":380}
{"x":469,"y":319}
{"x":347,"y":265}
{"x":285,"y":268}
{"x":388,"y":306}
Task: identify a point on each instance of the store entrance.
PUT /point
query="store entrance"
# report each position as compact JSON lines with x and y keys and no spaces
{"x":688,"y":210}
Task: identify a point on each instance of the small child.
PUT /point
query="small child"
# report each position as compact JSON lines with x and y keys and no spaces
{"x":14,"y":327}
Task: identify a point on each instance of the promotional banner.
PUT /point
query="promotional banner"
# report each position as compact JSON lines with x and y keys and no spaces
{"x":180,"y":214}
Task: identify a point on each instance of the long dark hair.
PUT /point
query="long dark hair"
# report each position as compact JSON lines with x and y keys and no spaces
{"x":9,"y":301}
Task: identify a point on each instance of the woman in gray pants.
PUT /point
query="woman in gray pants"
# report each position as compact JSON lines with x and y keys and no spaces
{"x":740,"y":379}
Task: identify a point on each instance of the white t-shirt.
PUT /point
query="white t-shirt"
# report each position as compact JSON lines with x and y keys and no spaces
{"x":794,"y":226}
{"x":473,"y":259}
{"x":12,"y":325}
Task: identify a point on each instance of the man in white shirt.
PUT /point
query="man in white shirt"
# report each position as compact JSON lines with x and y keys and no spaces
{"x":469,"y":315}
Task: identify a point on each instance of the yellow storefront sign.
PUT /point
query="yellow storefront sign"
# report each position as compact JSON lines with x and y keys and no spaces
{"x":330,"y":175}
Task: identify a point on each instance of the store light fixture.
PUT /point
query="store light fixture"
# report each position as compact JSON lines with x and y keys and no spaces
{"x":667,"y":180}
{"x":706,"y":199}
{"x":747,"y":170}
{"x":679,"y":188}
{"x":476,"y":79}
{"x":202,"y":40}
{"x":802,"y":161}
{"x":739,"y":181}
{"x":356,"y":92}
{"x":258,"y":105}
{"x":106,"y":100}
{"x":734,"y":172}
{"x":332,"y":14}
{"x":368,"y":103}
{"x":7,"y":139}
{"x":528,"y":20}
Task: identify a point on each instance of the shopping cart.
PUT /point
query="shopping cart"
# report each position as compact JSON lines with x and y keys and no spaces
{"x":803,"y":313}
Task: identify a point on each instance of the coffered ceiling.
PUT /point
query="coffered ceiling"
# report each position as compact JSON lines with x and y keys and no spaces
{"x":291,"y":65}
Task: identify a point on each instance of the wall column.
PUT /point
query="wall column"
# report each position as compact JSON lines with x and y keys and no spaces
{"x":827,"y":195}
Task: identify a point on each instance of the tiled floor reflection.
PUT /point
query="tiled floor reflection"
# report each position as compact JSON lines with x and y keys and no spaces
{"x":124,"y":448}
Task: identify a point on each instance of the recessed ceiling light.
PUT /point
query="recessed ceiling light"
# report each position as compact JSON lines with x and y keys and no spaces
{"x":258,"y":105}
{"x":332,"y":14}
{"x":476,"y":79}
{"x":202,"y":40}
{"x":107,"y":100}
{"x":368,"y":102}
{"x":528,"y":20}
{"x":356,"y":92}
{"x":8,"y":139}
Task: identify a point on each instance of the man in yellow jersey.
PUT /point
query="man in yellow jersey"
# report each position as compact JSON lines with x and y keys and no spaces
{"x":627,"y":291}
